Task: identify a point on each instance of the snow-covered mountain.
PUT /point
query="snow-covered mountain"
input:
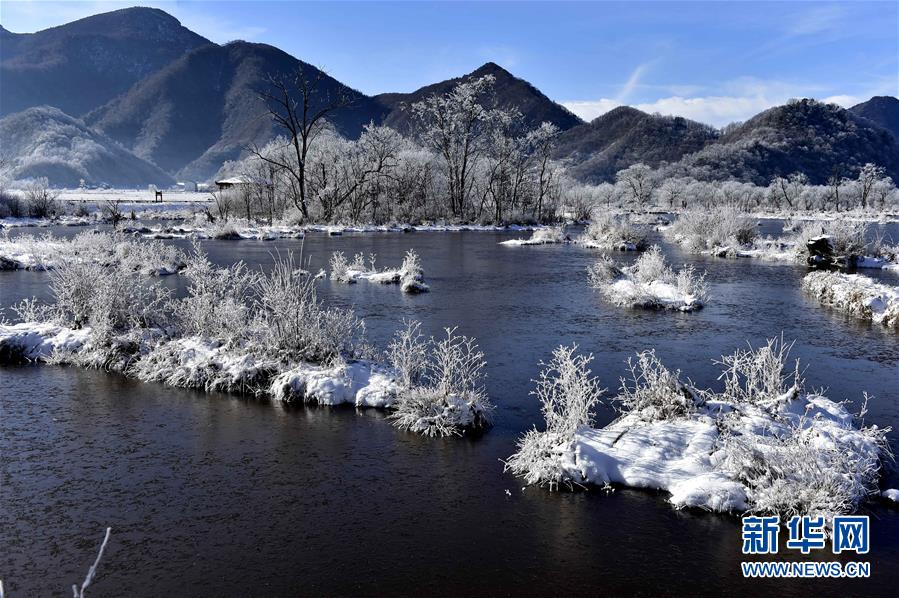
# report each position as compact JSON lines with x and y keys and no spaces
{"x":46,"y":142}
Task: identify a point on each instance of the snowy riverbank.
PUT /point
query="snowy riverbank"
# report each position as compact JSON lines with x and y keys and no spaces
{"x":856,"y":295}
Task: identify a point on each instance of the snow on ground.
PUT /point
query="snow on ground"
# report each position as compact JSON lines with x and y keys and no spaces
{"x":649,"y":284}
{"x":34,"y":341}
{"x":891,"y":494}
{"x":360,"y":383}
{"x":855,"y":294}
{"x":687,"y":458}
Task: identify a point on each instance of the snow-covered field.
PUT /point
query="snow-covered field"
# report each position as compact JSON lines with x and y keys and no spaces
{"x":856,"y":295}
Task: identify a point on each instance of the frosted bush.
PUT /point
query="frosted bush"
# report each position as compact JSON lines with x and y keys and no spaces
{"x":651,"y":266}
{"x":555,"y":234}
{"x":295,"y":324}
{"x":795,"y":473}
{"x":412,"y":274}
{"x":567,"y":394}
{"x":847,"y":238}
{"x":408,"y":354}
{"x":609,"y":232}
{"x":340,"y":268}
{"x":216,"y":304}
{"x":756,"y":376}
{"x":701,"y":230}
{"x":602,"y":271}
{"x":654,"y":392}
{"x":106,"y":299}
{"x":449,"y":397}
{"x":224,"y":230}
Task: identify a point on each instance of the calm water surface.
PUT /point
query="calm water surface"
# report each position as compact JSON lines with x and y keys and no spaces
{"x":219,"y":495}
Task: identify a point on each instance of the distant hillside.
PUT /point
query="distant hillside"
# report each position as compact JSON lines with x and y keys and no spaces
{"x":882,"y":110}
{"x":204,"y":108}
{"x":84,"y":64}
{"x":803,"y":136}
{"x":509,"y":92}
{"x":45,"y":142}
{"x":595,"y":151}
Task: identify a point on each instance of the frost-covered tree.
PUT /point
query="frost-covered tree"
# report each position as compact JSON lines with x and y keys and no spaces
{"x":637,"y":182}
{"x":298,"y":104}
{"x":456,"y":125}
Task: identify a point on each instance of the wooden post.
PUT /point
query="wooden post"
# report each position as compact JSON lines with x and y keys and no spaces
{"x":159,"y":196}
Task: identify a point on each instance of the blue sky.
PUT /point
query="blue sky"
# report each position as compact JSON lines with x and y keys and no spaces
{"x":712,"y":61}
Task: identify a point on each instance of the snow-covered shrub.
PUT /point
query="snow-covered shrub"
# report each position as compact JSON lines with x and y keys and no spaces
{"x":755,"y":376}
{"x":655,"y":392}
{"x":554,"y":234}
{"x":856,"y":295}
{"x":340,"y":268}
{"x":412,"y":274}
{"x":450,"y":397}
{"x":106,"y":249}
{"x":612,"y":233}
{"x":542,"y":236}
{"x":649,"y":283}
{"x":408,"y":354}
{"x":652,"y":266}
{"x":846,"y":238}
{"x":216,"y":305}
{"x":567,"y":394}
{"x":107,"y":300}
{"x":295,"y":324}
{"x":602,"y":271}
{"x":797,"y":472}
{"x":701,"y":230}
{"x":224,"y":230}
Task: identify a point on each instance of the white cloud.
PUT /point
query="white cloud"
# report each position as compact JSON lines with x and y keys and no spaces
{"x":736,"y":100}
{"x":714,"y":110}
{"x":846,"y":101}
{"x":588,"y":110}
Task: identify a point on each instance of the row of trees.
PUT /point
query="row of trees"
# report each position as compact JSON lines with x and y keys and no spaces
{"x":641,"y":187}
{"x":475,"y":162}
{"x":472,"y":162}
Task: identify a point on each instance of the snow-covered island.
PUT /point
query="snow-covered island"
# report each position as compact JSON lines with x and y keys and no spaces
{"x":762,"y":444}
{"x":650,"y":283}
{"x":266,"y":334}
{"x":410,"y":275}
